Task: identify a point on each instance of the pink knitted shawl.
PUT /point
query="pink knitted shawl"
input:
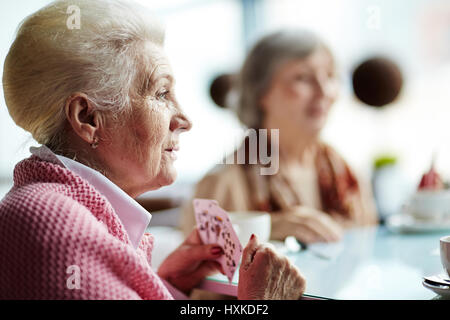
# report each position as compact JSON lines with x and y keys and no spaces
{"x":61,"y":239}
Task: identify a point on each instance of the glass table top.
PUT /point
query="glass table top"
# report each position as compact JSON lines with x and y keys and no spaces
{"x":368,"y":263}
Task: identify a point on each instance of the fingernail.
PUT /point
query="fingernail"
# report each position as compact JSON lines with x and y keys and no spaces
{"x":216,"y":250}
{"x":252,"y":237}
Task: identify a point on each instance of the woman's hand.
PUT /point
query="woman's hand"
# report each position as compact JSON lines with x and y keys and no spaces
{"x":190,"y":263}
{"x":306,"y":224}
{"x":265,"y":275}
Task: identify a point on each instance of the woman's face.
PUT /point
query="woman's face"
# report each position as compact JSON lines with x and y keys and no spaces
{"x":301,"y":94}
{"x":141,"y":151}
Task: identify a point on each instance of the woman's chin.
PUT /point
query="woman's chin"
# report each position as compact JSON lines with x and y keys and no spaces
{"x":315,"y":126}
{"x":166,"y":178}
{"x":170,"y":179}
{"x":167,"y":174}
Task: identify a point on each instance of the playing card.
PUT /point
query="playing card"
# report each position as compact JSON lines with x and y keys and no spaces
{"x":204,"y":220}
{"x":214,"y":226}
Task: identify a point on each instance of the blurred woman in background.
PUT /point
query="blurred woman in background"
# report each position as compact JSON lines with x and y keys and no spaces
{"x":288,"y":82}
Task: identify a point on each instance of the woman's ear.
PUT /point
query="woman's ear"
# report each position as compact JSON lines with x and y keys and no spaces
{"x":265,"y":102}
{"x":82,"y":116}
{"x":262,"y":104}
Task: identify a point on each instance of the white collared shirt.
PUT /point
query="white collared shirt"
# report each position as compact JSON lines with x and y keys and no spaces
{"x":133,"y":216}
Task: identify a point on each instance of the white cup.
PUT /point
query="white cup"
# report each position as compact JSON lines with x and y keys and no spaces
{"x":430,"y":205}
{"x":445,"y":253}
{"x":246,"y":223}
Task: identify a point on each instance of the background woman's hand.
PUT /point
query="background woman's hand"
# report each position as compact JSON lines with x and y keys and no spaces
{"x":190,"y":263}
{"x":265,"y":275}
{"x":306,"y":224}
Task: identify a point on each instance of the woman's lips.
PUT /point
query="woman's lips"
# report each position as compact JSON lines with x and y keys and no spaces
{"x":172,"y":152}
{"x":316,"y":112}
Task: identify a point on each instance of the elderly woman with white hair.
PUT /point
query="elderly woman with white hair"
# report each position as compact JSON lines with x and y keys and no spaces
{"x":288,"y":83}
{"x":100,"y":100}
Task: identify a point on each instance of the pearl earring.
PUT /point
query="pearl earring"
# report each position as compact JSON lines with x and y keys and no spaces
{"x":94,"y":144}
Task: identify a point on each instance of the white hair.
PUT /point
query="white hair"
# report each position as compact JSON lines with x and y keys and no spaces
{"x":48,"y":61}
{"x":260,"y":65}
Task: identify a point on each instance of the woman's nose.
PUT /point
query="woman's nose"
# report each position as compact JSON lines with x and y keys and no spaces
{"x":321,"y":86}
{"x":180,"y":122}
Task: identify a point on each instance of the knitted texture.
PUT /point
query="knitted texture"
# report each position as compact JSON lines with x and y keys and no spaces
{"x":61,"y":239}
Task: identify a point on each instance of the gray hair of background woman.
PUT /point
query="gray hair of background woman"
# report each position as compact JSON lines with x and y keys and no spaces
{"x":265,"y":57}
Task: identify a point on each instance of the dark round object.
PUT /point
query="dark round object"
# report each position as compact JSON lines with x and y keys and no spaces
{"x":220,"y":87}
{"x":377,"y":81}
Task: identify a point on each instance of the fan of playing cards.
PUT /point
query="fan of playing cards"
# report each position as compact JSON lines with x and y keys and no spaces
{"x":215,"y":226}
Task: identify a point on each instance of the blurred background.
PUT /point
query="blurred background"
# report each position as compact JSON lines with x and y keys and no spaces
{"x":206,"y":38}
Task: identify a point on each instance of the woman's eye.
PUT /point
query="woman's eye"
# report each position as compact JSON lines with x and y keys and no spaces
{"x":163,"y":94}
{"x":303,"y":77}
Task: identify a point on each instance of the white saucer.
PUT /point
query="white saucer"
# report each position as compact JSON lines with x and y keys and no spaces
{"x":443,"y":291}
{"x":404,"y":223}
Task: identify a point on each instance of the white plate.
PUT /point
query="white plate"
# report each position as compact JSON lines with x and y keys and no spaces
{"x":404,"y":223}
{"x":443,"y":291}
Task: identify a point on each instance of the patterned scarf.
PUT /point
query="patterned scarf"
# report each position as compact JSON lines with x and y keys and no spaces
{"x":337,"y":185}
